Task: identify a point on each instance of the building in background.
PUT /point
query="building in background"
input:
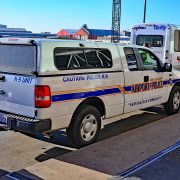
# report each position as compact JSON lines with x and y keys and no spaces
{"x":67,"y":33}
{"x":126,"y":33}
{"x":21,"y":32}
{"x":86,"y":33}
{"x":83,"y":33}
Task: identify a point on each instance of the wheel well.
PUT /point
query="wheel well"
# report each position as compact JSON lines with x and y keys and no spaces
{"x":95,"y":102}
{"x":177,"y":84}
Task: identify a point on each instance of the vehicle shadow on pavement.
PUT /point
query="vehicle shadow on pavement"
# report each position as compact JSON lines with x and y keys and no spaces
{"x":57,"y":137}
{"x":149,"y":116}
{"x":60,"y":138}
{"x":108,"y":156}
{"x":51,"y":153}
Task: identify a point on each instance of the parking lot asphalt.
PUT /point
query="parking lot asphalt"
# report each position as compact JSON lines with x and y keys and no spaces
{"x":167,"y":168}
{"x":122,"y":145}
{"x":111,"y":157}
{"x":20,"y":150}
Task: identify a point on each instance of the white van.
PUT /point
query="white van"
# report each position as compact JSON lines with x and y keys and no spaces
{"x":48,"y":84}
{"x":162,"y":39}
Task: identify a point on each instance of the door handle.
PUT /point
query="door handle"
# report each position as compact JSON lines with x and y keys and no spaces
{"x":146,"y":78}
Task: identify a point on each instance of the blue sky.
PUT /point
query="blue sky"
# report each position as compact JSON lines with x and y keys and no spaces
{"x":53,"y":15}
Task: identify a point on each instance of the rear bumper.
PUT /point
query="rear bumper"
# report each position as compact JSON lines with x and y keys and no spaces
{"x":38,"y":126}
{"x":25,"y":124}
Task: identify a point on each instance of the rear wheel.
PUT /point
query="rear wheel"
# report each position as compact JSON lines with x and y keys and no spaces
{"x":85,"y":126}
{"x":173,"y":104}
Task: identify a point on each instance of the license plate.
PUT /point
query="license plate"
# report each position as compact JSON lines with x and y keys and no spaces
{"x":3,"y":120}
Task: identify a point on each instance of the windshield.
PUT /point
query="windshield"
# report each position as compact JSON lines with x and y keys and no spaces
{"x":17,"y":59}
{"x":150,"y":40}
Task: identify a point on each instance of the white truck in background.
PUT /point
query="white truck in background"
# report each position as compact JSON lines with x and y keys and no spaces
{"x":162,"y":39}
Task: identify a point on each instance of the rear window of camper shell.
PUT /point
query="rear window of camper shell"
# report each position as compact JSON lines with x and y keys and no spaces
{"x":20,"y":59}
{"x":78,"y":58}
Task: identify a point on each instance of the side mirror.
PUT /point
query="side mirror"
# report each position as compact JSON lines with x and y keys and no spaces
{"x":167,"y":67}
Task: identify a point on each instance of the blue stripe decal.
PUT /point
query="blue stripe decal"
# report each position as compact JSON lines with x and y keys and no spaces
{"x":166,"y":82}
{"x":71,"y":96}
{"x":128,"y":88}
{"x":79,"y":95}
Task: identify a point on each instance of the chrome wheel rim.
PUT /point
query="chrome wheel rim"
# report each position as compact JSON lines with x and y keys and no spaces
{"x":88,"y":127}
{"x":176,"y":100}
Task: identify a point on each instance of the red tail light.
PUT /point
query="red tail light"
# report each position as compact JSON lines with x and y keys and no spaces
{"x":42,"y":96}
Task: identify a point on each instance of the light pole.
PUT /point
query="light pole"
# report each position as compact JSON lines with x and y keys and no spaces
{"x":145,"y":3}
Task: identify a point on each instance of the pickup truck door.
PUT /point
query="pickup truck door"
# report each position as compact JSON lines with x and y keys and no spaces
{"x":155,"y":82}
{"x":133,"y":78}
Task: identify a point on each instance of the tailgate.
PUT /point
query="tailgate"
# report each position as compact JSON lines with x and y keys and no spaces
{"x":17,"y":91}
{"x":17,"y":94}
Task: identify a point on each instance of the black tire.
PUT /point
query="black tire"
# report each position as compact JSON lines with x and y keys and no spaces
{"x":76,"y":127}
{"x":170,"y":106}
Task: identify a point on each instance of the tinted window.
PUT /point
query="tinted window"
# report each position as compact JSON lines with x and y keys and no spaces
{"x":131,"y":58}
{"x":69,"y":59}
{"x":98,"y":58}
{"x":150,"y":40}
{"x":105,"y":57}
{"x":177,"y":41}
{"x":82,"y":58}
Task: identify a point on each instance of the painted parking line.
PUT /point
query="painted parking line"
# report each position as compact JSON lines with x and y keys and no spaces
{"x":148,"y":161}
{"x":17,"y":176}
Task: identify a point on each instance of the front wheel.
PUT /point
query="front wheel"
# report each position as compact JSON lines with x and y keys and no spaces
{"x":173,"y":104}
{"x":85,"y":126}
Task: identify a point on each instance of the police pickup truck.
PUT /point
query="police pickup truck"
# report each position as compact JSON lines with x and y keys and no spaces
{"x":47,"y":85}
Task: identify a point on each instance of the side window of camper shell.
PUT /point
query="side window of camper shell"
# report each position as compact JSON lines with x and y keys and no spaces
{"x":177,"y":41}
{"x":69,"y":58}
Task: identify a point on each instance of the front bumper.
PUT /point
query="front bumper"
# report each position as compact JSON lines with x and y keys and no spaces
{"x":25,"y":124}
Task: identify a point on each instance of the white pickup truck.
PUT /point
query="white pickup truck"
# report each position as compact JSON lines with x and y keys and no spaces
{"x":48,"y":84}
